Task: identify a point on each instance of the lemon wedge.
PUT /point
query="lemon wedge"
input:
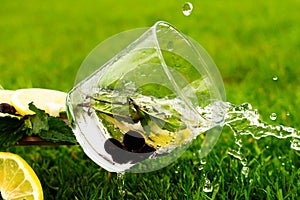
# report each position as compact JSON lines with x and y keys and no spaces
{"x":51,"y":101}
{"x":5,"y":96}
{"x":17,"y":179}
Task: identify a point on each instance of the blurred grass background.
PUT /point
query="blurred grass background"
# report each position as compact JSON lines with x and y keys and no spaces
{"x":42,"y":44}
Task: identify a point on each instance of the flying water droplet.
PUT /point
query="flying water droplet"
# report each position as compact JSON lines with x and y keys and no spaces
{"x":296,"y":144}
{"x":208,"y":187}
{"x":187,"y":8}
{"x":203,"y":162}
{"x":121,"y":184}
{"x":245,"y":171}
{"x":273,"y":116}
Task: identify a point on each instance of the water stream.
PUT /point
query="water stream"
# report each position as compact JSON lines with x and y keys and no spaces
{"x":243,"y":120}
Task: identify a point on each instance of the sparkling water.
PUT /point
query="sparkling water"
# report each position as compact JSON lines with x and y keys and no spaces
{"x":166,"y":123}
{"x":244,"y":120}
{"x":147,"y":104}
{"x":136,"y":109}
{"x":126,"y":123}
{"x":162,"y":124}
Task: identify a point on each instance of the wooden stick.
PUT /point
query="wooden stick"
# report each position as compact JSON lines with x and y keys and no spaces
{"x":36,"y":140}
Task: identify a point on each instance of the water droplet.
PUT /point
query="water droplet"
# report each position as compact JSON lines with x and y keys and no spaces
{"x":207,"y":186}
{"x":245,"y":171}
{"x":121,"y":183}
{"x":275,"y":78}
{"x":296,"y":144}
{"x":235,"y":154}
{"x":273,"y":116}
{"x":203,"y":162}
{"x":187,"y":8}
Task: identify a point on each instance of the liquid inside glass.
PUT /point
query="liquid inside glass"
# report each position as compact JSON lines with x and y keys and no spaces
{"x":140,"y":110}
{"x":140,"y":114}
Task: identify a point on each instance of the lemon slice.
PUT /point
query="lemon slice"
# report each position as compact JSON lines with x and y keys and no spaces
{"x":51,"y":101}
{"x":17,"y":179}
{"x":5,"y":96}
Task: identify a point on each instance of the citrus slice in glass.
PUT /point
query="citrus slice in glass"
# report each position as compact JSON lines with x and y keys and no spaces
{"x":17,"y":179}
{"x":51,"y":101}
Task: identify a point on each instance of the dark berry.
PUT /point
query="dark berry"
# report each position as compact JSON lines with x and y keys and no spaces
{"x":116,"y":150}
{"x":112,"y":144}
{"x":147,"y":149}
{"x":133,"y":141}
{"x":6,"y":108}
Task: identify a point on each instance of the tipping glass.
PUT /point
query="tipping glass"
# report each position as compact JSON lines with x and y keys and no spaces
{"x":142,"y":96}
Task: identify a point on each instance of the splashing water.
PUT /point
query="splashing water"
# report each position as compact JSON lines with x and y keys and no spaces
{"x":243,"y":120}
{"x":187,"y":8}
{"x":121,"y":184}
{"x":295,"y":144}
{"x":208,"y":187}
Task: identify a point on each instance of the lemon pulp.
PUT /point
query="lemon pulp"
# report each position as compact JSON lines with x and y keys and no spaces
{"x":17,"y":179}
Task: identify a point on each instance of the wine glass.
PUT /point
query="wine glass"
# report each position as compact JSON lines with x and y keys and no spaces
{"x":142,"y":96}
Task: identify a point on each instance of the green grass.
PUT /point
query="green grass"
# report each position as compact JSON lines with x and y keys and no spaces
{"x":42,"y":44}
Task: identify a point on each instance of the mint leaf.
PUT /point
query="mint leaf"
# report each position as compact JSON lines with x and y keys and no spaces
{"x":50,"y":128}
{"x":39,"y":121}
{"x":14,"y":127}
{"x":130,"y":112}
{"x":58,"y":131}
{"x":11,"y":130}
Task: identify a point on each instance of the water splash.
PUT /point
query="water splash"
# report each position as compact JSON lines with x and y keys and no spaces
{"x":243,"y":120}
{"x":187,"y":8}
{"x":208,"y":187}
{"x":238,"y":153}
{"x":245,"y":171}
{"x":295,"y":144}
{"x":121,"y":184}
